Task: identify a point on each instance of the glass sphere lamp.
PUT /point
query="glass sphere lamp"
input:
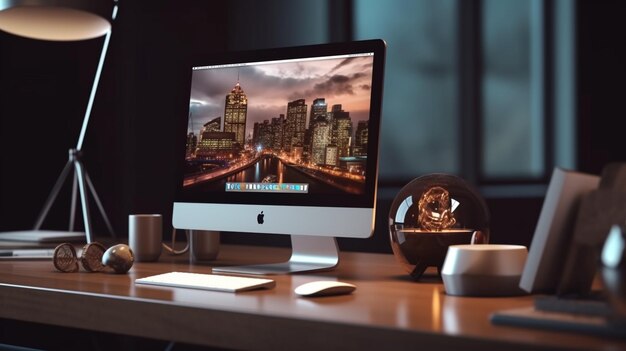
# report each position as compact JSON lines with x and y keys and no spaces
{"x":431,"y":213}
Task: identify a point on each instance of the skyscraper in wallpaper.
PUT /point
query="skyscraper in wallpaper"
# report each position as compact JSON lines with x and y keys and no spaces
{"x":296,"y":123}
{"x":342,"y":130}
{"x":214,"y":125}
{"x":320,"y":138}
{"x":190,"y":147}
{"x":361,"y":138}
{"x":318,"y":108}
{"x":278,"y":132}
{"x":235,"y":113}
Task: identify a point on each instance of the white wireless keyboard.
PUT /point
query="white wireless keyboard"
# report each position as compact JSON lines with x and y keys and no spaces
{"x":207,"y":281}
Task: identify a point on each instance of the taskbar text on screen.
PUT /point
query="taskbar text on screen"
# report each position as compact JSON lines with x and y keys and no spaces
{"x":268,"y":187}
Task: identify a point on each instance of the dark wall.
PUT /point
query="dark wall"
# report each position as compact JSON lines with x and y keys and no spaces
{"x":601,"y":79}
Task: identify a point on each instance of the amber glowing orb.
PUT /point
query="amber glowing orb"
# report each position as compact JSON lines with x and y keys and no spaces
{"x":431,"y":213}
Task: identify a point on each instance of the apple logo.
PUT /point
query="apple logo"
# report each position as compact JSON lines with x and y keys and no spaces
{"x":259,"y":218}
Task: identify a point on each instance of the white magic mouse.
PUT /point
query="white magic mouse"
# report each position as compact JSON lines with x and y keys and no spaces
{"x":324,"y":288}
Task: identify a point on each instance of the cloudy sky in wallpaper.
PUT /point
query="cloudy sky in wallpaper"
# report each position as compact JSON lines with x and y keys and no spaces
{"x":269,"y":87}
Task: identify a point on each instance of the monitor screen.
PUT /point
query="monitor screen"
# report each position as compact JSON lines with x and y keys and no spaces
{"x":283,"y":140}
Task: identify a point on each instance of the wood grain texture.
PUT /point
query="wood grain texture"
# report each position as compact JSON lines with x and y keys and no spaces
{"x":387,"y":311}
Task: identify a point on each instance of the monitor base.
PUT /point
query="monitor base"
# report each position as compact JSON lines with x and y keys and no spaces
{"x":309,"y":253}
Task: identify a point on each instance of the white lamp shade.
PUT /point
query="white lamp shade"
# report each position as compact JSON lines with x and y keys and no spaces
{"x":54,"y":23}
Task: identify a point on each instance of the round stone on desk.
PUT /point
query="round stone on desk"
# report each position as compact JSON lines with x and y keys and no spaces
{"x":119,"y":257}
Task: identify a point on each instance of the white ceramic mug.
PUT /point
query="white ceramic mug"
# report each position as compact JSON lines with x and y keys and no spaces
{"x":145,"y":236}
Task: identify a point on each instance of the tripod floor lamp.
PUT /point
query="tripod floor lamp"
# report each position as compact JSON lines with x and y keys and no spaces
{"x":65,"y":20}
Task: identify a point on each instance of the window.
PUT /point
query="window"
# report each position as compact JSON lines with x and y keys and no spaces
{"x":420,"y":129}
{"x":520,"y":119}
{"x":512,"y":128}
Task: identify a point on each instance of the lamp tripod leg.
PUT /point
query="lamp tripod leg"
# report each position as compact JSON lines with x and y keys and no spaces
{"x":53,"y":194}
{"x":81,"y":184}
{"x":73,"y":206}
{"x":99,"y":204}
{"x":82,"y":189}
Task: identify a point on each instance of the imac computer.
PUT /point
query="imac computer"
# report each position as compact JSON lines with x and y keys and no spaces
{"x":283,"y":141}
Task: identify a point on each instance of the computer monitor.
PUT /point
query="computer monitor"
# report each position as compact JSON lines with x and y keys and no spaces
{"x":284,"y":141}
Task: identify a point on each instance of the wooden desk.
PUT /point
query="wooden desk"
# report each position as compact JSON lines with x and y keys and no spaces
{"x":386,"y":312}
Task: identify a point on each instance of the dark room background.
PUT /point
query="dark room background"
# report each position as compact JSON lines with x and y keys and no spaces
{"x":498,"y":92}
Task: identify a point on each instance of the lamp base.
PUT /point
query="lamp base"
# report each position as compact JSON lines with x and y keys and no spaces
{"x":43,"y":236}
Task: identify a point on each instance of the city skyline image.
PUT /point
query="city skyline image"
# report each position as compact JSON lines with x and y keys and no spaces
{"x":292,"y":126}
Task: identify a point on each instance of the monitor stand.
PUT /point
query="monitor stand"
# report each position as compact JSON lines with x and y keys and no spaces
{"x":309,"y":253}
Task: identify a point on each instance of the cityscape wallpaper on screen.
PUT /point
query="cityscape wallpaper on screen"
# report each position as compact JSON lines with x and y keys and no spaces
{"x":287,"y":127}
